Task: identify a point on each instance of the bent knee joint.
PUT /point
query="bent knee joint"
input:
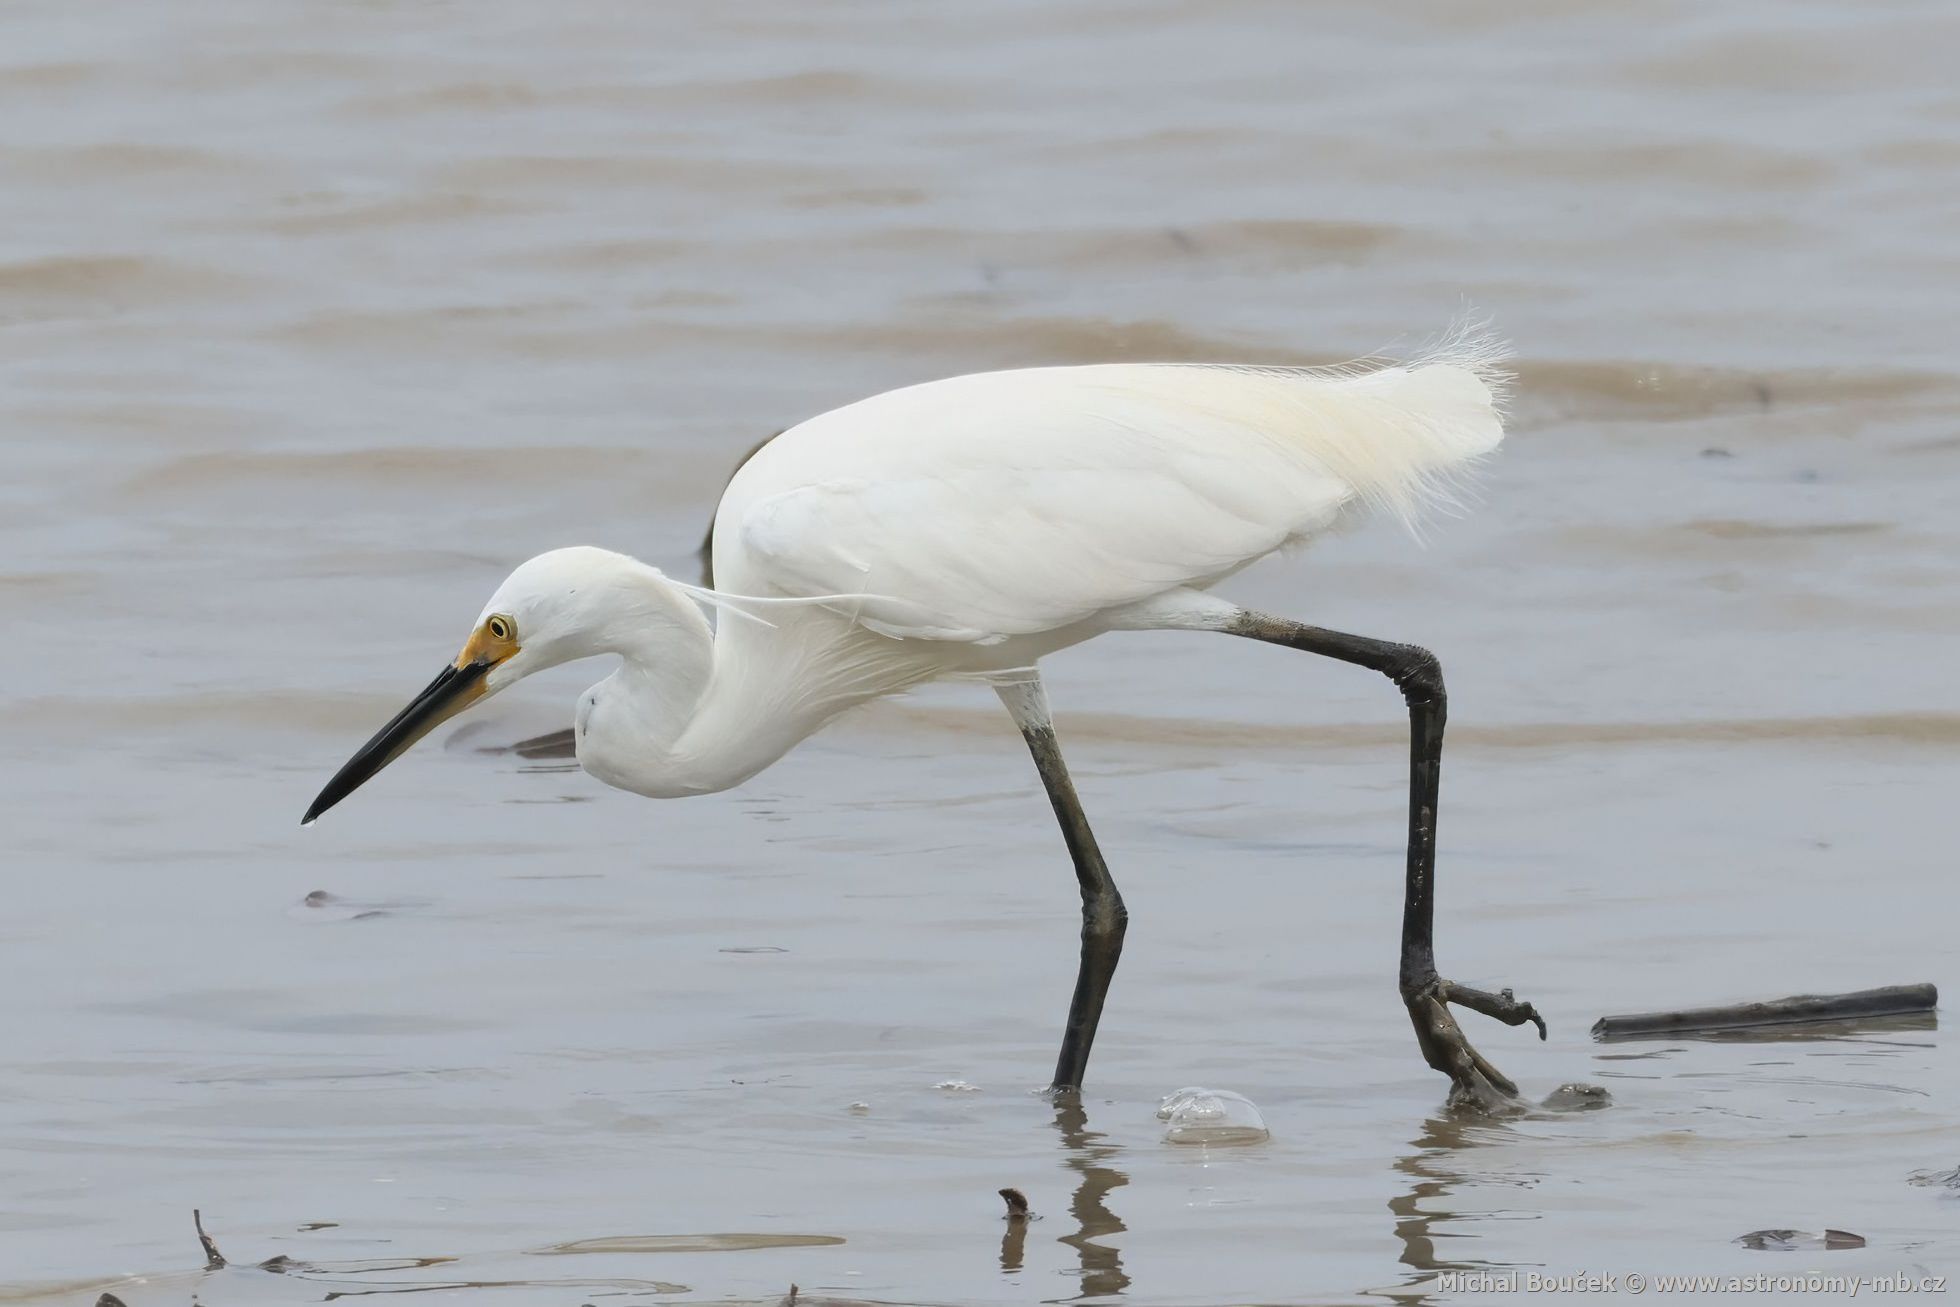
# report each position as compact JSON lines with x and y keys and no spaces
{"x":1105,"y":919}
{"x":1418,"y":674}
{"x":1418,"y":981}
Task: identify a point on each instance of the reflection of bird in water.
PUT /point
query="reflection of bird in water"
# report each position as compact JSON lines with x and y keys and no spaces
{"x":1435,"y":1171}
{"x":967,"y":528}
{"x":1102,"y":1265}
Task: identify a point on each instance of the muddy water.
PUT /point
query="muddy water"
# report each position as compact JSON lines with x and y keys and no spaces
{"x":316,"y":319}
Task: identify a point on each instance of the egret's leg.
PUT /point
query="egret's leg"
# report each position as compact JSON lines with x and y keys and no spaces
{"x":1419,"y":676}
{"x":1104,"y":918}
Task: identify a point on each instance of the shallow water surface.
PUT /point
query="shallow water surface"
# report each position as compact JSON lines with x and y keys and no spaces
{"x":318,"y":319}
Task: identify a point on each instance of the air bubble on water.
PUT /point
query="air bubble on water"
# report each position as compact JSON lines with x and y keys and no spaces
{"x":1575,"y":1097}
{"x":957,"y":1087}
{"x":1211,"y":1116}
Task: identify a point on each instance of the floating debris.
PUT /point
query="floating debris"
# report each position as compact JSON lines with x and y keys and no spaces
{"x":859,"y":1109}
{"x":1796,"y":1241}
{"x":1211,"y":1116}
{"x":958,"y":1087}
{"x":325,"y":905}
{"x":1936,"y":1179}
{"x":1014,"y":1243}
{"x":1891,"y":1001}
{"x":110,"y":1300}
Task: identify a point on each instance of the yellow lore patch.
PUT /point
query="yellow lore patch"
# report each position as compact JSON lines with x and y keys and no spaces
{"x":491,"y":643}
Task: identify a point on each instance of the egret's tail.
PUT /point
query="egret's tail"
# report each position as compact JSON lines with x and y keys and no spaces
{"x":1405,"y":436}
{"x":1401,"y":436}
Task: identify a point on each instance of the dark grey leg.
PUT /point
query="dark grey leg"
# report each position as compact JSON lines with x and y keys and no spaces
{"x":1104,"y":918}
{"x":1419,"y":676}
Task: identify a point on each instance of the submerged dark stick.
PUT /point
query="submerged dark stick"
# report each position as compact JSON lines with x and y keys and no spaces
{"x":1891,"y":1001}
{"x":213,"y":1259}
{"x":1014,"y":1244}
{"x":555,"y":744}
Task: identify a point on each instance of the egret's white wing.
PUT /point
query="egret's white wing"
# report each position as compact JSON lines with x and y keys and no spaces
{"x":1010,"y":503}
{"x":984,"y":553}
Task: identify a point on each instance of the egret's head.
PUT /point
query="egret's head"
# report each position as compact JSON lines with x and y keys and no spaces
{"x":567,"y":604}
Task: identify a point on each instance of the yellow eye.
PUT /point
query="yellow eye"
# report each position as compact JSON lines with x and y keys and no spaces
{"x":501,"y":627}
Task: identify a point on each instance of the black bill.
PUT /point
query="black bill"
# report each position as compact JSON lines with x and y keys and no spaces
{"x":447,"y":695}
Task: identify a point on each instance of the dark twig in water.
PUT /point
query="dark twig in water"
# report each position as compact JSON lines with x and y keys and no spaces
{"x":553,"y":744}
{"x":1014,"y":1244}
{"x":1891,"y":1001}
{"x":213,"y":1259}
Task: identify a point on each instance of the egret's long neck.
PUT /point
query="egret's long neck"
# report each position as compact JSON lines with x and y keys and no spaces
{"x":628,"y":724}
{"x":690,"y":712}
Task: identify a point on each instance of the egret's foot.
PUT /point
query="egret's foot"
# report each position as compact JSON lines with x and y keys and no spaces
{"x":1473,"y":1078}
{"x":1503,"y":1005}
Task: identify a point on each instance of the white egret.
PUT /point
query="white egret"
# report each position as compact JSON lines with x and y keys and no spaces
{"x":968,"y":527}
